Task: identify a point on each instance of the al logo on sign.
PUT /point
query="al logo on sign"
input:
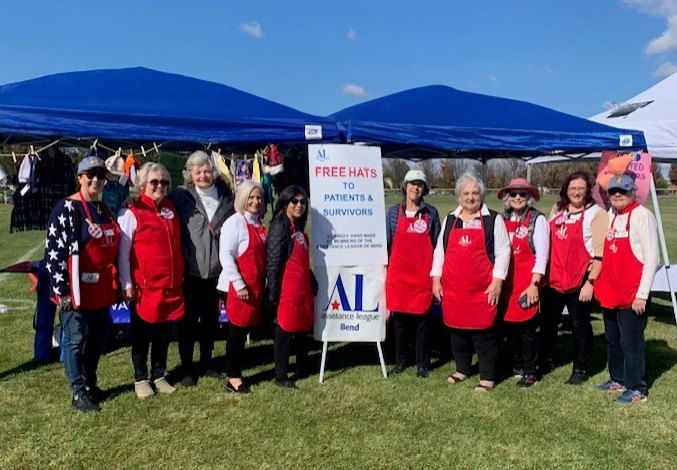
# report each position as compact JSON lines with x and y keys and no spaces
{"x":338,"y":300}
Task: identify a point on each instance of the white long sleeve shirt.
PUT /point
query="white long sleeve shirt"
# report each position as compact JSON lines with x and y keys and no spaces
{"x":502,"y":248}
{"x":643,"y":243}
{"x":233,"y":241}
{"x":210,"y":200}
{"x":541,"y":243}
{"x":127,"y":222}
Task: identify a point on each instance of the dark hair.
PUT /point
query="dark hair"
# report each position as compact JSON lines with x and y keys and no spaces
{"x":564,"y":201}
{"x":283,"y":200}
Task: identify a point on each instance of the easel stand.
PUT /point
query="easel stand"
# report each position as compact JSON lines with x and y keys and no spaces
{"x":324,"y":360}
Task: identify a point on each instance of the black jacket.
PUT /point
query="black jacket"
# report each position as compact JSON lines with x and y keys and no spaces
{"x":279,"y":247}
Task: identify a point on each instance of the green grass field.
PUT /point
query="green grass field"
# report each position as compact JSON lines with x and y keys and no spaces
{"x":356,"y":419}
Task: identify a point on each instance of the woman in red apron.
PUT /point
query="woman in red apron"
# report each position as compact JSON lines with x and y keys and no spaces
{"x":528,"y":231}
{"x":577,"y":230}
{"x":242,"y":251}
{"x":151,"y":274}
{"x":291,"y":285}
{"x":470,"y":262}
{"x":623,"y":288}
{"x":80,"y":253}
{"x":412,"y":228}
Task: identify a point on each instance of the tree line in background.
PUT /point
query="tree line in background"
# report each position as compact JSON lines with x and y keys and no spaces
{"x":443,"y":172}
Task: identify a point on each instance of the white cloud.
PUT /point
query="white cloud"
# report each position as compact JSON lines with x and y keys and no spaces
{"x":491,"y":77}
{"x":352,"y":34}
{"x":354,"y":90}
{"x":665,"y":69}
{"x":253,"y":28}
{"x":666,"y":9}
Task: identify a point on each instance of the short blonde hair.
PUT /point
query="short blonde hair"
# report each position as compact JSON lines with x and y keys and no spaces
{"x":142,"y":177}
{"x":198,"y":158}
{"x":242,"y":196}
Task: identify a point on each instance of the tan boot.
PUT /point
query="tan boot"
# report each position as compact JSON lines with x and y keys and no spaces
{"x":143,"y":389}
{"x":162,"y":386}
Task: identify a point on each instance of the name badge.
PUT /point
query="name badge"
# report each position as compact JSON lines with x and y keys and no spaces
{"x":570,"y":221}
{"x":90,"y":278}
{"x":622,"y":234}
{"x":108,"y":232}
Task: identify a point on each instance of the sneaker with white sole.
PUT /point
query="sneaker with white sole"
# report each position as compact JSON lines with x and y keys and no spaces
{"x":610,"y":386}
{"x":631,"y":396}
{"x":143,"y":389}
{"x":162,"y":386}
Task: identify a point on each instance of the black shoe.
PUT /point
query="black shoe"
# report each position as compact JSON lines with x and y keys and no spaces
{"x":517,"y":372}
{"x":422,"y":372}
{"x":96,"y":393}
{"x":243,"y":389}
{"x":286,"y":383}
{"x":188,"y":381}
{"x":578,"y":376}
{"x":213,"y":374}
{"x":398,"y":370}
{"x":526,"y":381}
{"x":83,"y":402}
{"x":546,"y":367}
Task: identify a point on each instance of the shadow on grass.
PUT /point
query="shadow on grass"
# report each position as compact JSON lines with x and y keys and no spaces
{"x":26,"y":367}
{"x":663,"y":313}
{"x":660,"y":358}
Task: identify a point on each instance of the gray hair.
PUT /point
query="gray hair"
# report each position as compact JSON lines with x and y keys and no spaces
{"x":242,"y":195}
{"x":466,"y":178}
{"x":506,"y":202}
{"x":142,"y":177}
{"x":198,"y":158}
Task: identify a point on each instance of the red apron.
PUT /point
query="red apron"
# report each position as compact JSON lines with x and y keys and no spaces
{"x":252,"y":267}
{"x":94,"y":277}
{"x":409,"y":287}
{"x":519,"y":276}
{"x":569,"y":258}
{"x":296,"y":310}
{"x":618,"y":281}
{"x":466,"y":274}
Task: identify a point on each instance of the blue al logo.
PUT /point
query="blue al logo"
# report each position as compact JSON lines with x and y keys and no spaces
{"x":338,"y":300}
{"x":625,"y":140}
{"x":321,"y":155}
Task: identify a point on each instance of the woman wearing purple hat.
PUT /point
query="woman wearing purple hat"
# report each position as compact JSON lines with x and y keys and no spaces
{"x":624,"y":286}
{"x":529,"y":236}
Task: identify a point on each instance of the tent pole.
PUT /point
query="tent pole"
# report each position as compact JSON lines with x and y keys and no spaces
{"x":528,"y":172}
{"x":664,"y":247}
{"x":485,"y":171}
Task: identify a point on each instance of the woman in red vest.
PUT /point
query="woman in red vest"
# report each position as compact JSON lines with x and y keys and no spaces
{"x":530,"y":239}
{"x":577,"y":230}
{"x":151,"y":274}
{"x":242,"y":251}
{"x":624,"y":288}
{"x":291,"y":285}
{"x":470,"y":262}
{"x":412,"y":228}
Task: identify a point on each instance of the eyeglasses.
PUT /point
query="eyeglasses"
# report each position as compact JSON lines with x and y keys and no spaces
{"x":98,"y":172}
{"x":614,"y":191}
{"x":521,"y":194}
{"x":163,"y":183}
{"x":302,"y":201}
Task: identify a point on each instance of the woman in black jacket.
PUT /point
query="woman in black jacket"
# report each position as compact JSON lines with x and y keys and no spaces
{"x":291,"y":284}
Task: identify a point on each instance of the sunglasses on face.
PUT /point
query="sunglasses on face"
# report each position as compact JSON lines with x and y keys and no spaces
{"x":163,"y":183}
{"x":521,"y":194}
{"x":614,"y":191}
{"x":98,"y":172}
{"x":302,"y":201}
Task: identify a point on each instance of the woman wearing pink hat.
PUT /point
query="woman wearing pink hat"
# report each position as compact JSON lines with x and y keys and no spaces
{"x":529,"y":236}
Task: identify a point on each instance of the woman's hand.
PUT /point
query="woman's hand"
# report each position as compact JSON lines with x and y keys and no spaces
{"x":639,"y":306}
{"x":586,"y":292}
{"x":532,"y":295}
{"x":494,"y":291}
{"x":243,"y":294}
{"x":437,"y":288}
{"x":128,"y":295}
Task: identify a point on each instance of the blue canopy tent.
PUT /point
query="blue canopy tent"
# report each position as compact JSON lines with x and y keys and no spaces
{"x":437,"y":121}
{"x":136,"y":105}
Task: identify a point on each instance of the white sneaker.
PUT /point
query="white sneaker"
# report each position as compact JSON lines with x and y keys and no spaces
{"x":162,"y":386}
{"x":143,"y":389}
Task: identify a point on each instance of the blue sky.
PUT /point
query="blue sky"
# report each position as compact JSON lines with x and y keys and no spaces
{"x":319,"y":57}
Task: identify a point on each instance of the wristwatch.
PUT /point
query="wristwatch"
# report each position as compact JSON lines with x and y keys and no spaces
{"x":536,"y":283}
{"x":591,"y":281}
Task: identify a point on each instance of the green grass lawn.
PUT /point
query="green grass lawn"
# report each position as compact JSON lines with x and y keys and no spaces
{"x":356,"y":419}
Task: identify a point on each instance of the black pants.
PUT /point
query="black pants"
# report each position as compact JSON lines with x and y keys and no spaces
{"x":552,"y":305}
{"x":523,"y":337}
{"x":237,"y":338}
{"x":144,"y":335}
{"x":484,"y":342}
{"x":405,"y":325}
{"x":282,"y":350}
{"x":200,"y":322}
{"x":625,"y":337}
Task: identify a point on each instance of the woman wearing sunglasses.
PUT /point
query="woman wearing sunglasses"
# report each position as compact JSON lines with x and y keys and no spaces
{"x":624,"y":286}
{"x":80,"y":253}
{"x":529,"y":236}
{"x":291,"y":285}
{"x":151,"y":274}
{"x":577,"y":230}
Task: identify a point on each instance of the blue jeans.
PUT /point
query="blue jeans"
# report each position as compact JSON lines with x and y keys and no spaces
{"x":83,"y":336}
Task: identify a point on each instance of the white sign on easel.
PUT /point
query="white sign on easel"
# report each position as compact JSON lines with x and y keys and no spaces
{"x":348,"y":244}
